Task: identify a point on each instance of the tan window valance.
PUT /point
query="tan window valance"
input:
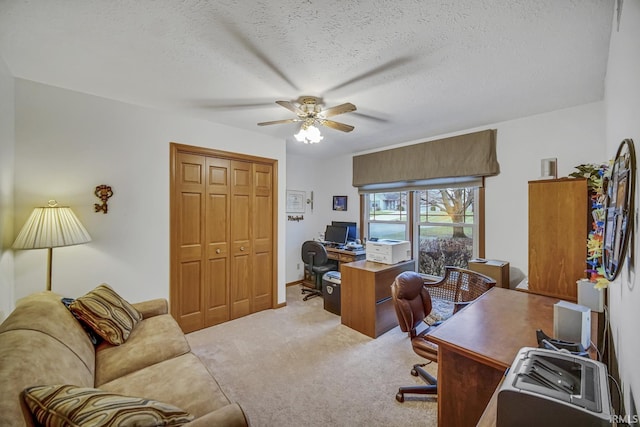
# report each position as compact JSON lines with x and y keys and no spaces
{"x":457,"y":159}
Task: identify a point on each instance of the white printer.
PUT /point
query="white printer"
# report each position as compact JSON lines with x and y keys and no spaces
{"x":388,"y":251}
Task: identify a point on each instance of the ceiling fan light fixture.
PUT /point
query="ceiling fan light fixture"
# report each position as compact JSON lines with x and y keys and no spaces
{"x":309,"y":134}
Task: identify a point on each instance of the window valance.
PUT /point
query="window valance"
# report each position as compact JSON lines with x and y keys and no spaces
{"x":457,"y":159}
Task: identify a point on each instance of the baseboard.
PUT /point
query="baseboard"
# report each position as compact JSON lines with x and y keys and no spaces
{"x":297,"y":282}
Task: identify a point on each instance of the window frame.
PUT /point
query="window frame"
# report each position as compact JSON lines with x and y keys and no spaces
{"x":413,"y":219}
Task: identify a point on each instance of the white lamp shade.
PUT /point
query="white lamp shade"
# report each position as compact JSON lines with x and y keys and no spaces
{"x":51,"y":227}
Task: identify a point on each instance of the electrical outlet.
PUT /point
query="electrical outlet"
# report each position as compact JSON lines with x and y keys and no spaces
{"x":298,"y":266}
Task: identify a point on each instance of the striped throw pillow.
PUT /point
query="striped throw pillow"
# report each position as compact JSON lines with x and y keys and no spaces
{"x":107,"y":314}
{"x":68,"y":405}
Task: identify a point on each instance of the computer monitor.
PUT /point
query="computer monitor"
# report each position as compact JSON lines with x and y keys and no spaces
{"x":336,"y":234}
{"x":352,"y":226}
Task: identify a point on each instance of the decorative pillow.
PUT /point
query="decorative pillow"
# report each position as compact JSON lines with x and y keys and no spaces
{"x":68,"y":405}
{"x":107,"y":314}
{"x":441,"y":310}
{"x":95,"y":338}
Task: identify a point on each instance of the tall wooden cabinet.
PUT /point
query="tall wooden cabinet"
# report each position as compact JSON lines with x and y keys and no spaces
{"x":223,"y":232}
{"x":558,"y":228}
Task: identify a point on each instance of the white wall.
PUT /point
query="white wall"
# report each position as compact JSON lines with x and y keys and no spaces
{"x":67,"y":143}
{"x":622,"y":106}
{"x":7,"y":147}
{"x":326,"y":178}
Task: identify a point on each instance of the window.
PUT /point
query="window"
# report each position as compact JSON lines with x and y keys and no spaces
{"x":444,"y":223}
{"x":387,"y":215}
{"x":446,"y":228}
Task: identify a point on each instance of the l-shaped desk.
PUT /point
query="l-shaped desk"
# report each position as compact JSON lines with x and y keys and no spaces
{"x":479,"y":343}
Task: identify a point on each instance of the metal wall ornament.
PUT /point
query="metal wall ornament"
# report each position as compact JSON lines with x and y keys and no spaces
{"x":103,"y":192}
{"x":619,"y":209}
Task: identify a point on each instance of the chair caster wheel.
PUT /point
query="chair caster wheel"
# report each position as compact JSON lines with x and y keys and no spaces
{"x":414,"y":372}
{"x":400,"y":397}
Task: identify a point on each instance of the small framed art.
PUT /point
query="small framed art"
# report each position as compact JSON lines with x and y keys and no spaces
{"x":339,"y":203}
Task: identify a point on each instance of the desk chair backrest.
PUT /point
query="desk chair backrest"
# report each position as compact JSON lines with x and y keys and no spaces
{"x":313,"y":254}
{"x":460,"y":286}
{"x":411,"y":301}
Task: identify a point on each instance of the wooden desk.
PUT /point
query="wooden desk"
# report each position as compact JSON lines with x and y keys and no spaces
{"x":344,"y":255}
{"x":478,"y":344}
{"x":365,"y":291}
{"x":341,"y":256}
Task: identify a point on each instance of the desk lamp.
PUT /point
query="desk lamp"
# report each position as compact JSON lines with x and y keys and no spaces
{"x":51,"y":227}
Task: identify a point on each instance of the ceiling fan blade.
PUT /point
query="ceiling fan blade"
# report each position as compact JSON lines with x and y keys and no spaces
{"x":291,"y":107}
{"x":277,"y":122}
{"x":338,"y":109}
{"x":257,"y":52}
{"x":337,"y":125}
{"x":371,"y":117}
{"x":231,"y":105}
{"x":379,"y":69}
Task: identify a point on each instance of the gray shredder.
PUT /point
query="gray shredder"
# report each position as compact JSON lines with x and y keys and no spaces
{"x":331,"y":291}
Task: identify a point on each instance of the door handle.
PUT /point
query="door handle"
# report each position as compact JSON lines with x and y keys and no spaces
{"x":242,"y":248}
{"x":218,"y":251}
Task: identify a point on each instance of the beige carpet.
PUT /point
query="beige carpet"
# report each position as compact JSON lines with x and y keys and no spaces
{"x":299,"y":366}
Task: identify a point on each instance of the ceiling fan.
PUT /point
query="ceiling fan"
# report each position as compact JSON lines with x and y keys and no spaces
{"x":309,"y":110}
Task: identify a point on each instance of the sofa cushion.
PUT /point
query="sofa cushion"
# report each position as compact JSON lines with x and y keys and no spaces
{"x":112,"y":317}
{"x":68,"y":405}
{"x":153,"y":340}
{"x":184,"y":381}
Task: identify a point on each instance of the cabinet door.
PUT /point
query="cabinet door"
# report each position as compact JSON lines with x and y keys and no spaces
{"x":187,"y":296}
{"x":241,"y":247}
{"x":558,"y":211}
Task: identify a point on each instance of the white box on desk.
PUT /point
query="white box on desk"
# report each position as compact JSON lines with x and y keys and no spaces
{"x":387,"y":251}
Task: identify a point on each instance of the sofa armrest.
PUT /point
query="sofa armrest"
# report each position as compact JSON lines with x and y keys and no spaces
{"x":152,"y":307}
{"x":228,"y":416}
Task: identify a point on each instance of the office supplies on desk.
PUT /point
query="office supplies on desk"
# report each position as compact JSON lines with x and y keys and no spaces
{"x":572,"y":322}
{"x":550,"y":388}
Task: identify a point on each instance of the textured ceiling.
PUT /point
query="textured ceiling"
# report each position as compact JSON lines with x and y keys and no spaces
{"x":413,"y":68}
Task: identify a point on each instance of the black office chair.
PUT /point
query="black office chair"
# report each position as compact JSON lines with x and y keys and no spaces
{"x":316,"y":262}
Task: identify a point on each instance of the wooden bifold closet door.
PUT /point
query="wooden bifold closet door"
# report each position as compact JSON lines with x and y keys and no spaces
{"x":222,"y":236}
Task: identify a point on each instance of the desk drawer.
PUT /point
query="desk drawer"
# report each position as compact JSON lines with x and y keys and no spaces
{"x":346,"y":257}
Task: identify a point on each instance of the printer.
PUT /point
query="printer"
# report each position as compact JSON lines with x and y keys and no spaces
{"x":388,"y":251}
{"x":554,"y":388}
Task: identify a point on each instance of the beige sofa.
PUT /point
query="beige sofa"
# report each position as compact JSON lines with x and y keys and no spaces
{"x":41,"y":343}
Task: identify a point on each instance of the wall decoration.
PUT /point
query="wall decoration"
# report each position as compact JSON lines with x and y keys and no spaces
{"x":339,"y":203}
{"x":103,"y":192}
{"x":296,"y":218}
{"x":597,"y":175}
{"x":296,"y":201}
{"x":619,"y":209}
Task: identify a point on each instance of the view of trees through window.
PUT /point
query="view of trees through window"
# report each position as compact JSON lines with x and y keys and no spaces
{"x":445,"y":229}
{"x":444,"y":224}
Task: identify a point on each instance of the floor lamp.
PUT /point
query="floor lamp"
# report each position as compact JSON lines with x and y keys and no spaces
{"x":51,"y":227}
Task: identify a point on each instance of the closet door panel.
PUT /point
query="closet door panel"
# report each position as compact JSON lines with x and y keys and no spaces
{"x":190,"y":188}
{"x":263,"y":238}
{"x":217,"y":234}
{"x":241,"y":248}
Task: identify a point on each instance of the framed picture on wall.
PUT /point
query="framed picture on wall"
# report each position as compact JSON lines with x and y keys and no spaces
{"x":295,"y":201}
{"x":339,"y":203}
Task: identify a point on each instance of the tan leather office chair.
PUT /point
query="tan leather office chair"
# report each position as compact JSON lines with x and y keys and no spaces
{"x":413,"y":300}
